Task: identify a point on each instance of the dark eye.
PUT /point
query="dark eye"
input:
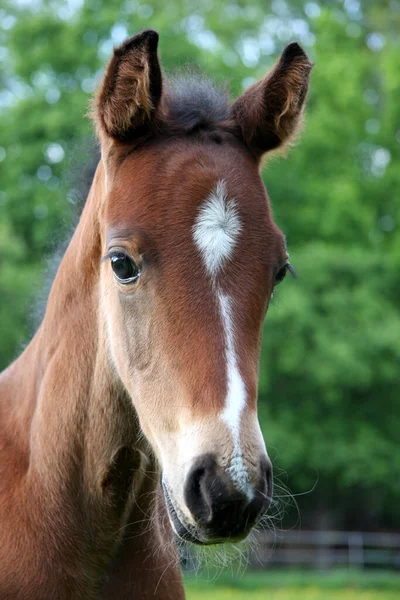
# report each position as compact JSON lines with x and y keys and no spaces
{"x":125,"y":270}
{"x":281,"y":274}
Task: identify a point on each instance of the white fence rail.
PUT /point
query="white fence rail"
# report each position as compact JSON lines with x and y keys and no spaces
{"x":326,"y":549}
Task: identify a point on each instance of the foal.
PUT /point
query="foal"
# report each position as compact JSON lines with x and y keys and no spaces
{"x":132,"y":413}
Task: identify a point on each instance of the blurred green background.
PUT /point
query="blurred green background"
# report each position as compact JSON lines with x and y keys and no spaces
{"x":337,"y":585}
{"x":329,"y":378}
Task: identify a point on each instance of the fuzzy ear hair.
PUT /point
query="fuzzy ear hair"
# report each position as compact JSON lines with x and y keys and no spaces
{"x":126,"y":101}
{"x":269,"y":112}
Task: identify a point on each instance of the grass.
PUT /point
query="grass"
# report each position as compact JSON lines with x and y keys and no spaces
{"x":297,"y":585}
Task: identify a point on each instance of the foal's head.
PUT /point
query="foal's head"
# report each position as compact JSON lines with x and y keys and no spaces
{"x":191,"y":258}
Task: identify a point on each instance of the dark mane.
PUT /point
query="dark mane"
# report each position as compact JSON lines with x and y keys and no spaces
{"x":194,"y":102}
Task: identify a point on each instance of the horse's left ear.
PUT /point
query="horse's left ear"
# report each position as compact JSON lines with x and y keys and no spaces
{"x":269,"y":112}
{"x":127,"y":99}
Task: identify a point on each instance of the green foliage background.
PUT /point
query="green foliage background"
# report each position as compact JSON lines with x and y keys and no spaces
{"x":329,"y":389}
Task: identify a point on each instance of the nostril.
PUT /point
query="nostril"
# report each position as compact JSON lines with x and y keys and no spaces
{"x":196,"y":495}
{"x":270,"y":483}
{"x":266,"y":481}
{"x":194,"y":481}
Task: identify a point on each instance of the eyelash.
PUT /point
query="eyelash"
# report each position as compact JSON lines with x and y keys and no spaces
{"x":111,"y":253}
{"x":291,"y":270}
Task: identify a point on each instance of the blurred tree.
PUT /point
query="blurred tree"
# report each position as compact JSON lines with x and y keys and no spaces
{"x":329,"y":384}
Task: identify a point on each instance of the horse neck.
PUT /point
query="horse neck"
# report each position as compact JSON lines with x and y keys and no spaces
{"x":73,"y":407}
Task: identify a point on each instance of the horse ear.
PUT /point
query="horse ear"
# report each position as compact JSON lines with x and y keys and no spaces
{"x":269,"y":113}
{"x":128,"y":97}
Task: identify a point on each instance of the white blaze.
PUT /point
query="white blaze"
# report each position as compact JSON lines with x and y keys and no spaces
{"x":215,"y":233}
{"x":235,"y":398}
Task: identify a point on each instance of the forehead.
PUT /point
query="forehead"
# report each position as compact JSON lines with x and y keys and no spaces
{"x":160,"y":191}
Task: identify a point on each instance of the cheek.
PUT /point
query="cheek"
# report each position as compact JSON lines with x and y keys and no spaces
{"x":130,"y":330}
{"x":134,"y":341}
{"x":136,"y":333}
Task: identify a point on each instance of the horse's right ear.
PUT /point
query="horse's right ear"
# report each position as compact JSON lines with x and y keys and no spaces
{"x":126,"y":102}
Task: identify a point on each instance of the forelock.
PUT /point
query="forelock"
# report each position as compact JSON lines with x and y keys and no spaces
{"x":193,"y":102}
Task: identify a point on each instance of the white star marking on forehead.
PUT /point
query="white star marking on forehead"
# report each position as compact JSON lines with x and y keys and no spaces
{"x":217,"y":228}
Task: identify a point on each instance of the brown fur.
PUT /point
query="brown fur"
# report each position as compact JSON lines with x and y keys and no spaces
{"x":115,"y":379}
